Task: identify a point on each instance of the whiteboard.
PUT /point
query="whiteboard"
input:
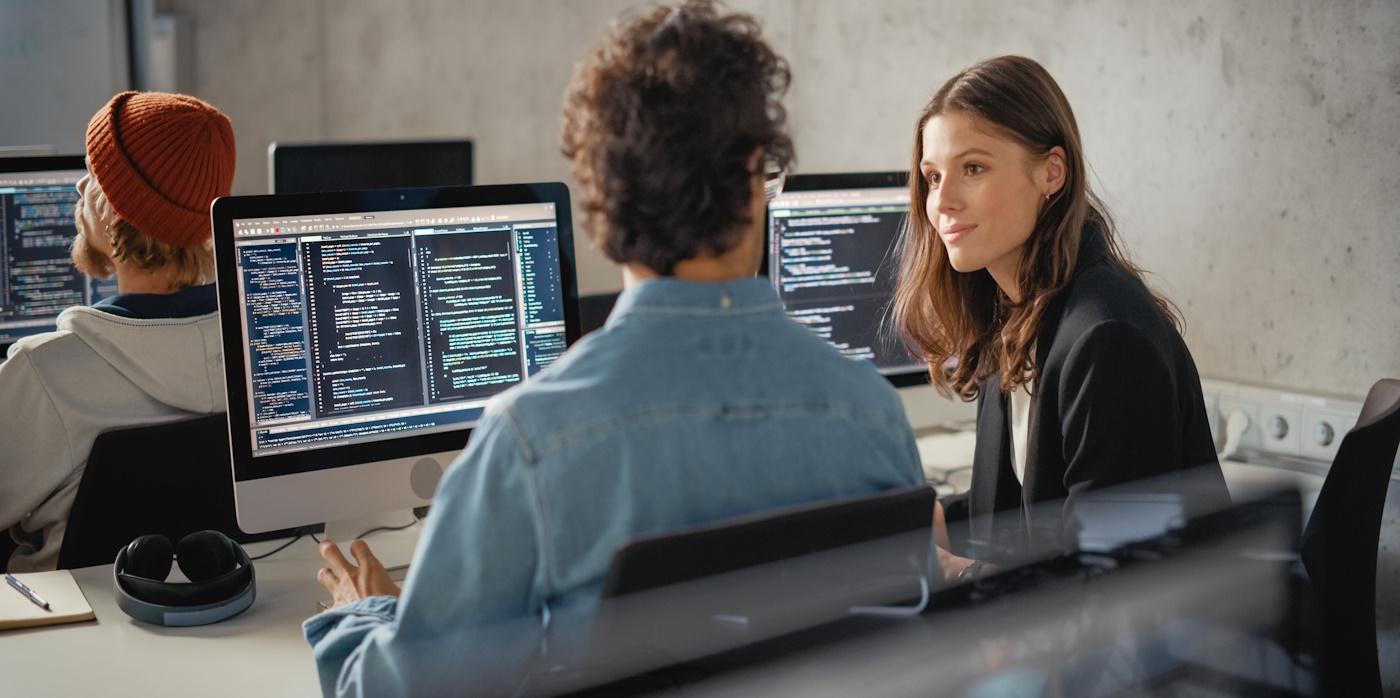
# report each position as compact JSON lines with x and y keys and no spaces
{"x":60,"y":61}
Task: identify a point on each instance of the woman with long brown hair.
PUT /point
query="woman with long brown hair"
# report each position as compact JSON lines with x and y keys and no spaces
{"x":1015,"y":290}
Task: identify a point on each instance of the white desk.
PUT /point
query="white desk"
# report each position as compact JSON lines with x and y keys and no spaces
{"x":945,"y":432}
{"x":258,"y":653}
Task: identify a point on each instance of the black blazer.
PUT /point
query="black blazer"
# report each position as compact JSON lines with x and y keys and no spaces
{"x":1118,"y":399}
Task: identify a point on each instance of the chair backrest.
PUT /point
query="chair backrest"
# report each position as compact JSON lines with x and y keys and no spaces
{"x":736,"y":582}
{"x":594,"y":309}
{"x":1340,"y":544}
{"x":8,"y":546}
{"x":173,"y":478}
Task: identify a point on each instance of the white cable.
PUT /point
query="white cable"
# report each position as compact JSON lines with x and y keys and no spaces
{"x":896,"y":611}
{"x":1236,"y":424}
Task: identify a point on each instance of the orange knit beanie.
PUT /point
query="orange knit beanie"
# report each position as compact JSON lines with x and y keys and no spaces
{"x":160,"y":160}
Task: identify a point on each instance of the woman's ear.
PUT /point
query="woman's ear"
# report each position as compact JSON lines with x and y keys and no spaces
{"x":1054,"y":170}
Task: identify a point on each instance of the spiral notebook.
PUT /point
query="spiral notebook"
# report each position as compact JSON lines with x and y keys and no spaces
{"x":57,"y":587}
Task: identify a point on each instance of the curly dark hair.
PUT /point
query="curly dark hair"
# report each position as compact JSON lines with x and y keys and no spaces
{"x":660,"y":120}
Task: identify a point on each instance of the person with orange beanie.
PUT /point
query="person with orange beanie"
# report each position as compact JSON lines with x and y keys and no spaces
{"x":149,"y":354}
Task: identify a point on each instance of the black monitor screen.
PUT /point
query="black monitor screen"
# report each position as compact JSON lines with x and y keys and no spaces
{"x":833,"y":258}
{"x":366,"y":326}
{"x":295,"y":169}
{"x":36,"y":232}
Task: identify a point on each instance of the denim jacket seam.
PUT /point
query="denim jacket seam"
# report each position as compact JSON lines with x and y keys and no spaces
{"x":763,"y":309}
{"x":518,"y":435}
{"x":529,"y":458}
{"x":542,"y":537}
{"x":617,"y":420}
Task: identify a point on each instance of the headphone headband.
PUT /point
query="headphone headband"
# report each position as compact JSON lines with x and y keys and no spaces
{"x":184,"y":604}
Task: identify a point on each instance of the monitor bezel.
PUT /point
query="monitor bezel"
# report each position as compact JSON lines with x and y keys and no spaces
{"x":225,"y":210}
{"x":846,"y":180}
{"x":278,"y":155}
{"x":43,"y":163}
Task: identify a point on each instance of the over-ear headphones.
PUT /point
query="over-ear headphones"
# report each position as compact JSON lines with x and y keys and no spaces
{"x":221,"y":579}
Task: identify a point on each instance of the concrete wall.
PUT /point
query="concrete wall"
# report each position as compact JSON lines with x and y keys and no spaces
{"x":60,"y":61}
{"x":1250,"y":150}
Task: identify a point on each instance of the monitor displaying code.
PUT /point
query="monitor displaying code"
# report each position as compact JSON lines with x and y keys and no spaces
{"x":833,"y":258}
{"x":362,"y":327}
{"x":36,"y":233}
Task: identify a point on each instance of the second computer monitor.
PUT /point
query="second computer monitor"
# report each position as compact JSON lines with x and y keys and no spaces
{"x":37,"y":277}
{"x":315,"y":167}
{"x":833,"y":258}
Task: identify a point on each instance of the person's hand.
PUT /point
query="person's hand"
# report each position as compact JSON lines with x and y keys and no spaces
{"x":940,"y":526}
{"x":951,"y":565}
{"x":346,"y":582}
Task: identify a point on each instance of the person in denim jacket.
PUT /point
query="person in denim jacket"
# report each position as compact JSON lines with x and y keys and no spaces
{"x":698,"y":401}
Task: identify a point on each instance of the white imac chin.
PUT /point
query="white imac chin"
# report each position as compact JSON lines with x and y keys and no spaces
{"x":364,"y":333}
{"x":350,"y":500}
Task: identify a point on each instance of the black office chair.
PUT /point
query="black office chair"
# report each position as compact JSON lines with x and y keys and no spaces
{"x":680,"y":596}
{"x":594,"y":309}
{"x":1340,"y":542}
{"x":8,"y":546}
{"x":172,"y":479}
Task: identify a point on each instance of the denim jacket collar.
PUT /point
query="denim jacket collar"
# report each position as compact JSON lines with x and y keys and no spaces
{"x":671,"y":296}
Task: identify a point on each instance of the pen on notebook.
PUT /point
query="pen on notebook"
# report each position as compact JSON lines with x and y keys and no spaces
{"x":28,"y":593}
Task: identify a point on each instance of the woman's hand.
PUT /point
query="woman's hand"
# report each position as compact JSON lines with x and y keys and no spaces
{"x":951,"y":565}
{"x":940,"y":526}
{"x":346,"y":582}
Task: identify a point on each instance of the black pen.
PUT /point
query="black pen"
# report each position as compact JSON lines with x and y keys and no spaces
{"x":28,"y":593}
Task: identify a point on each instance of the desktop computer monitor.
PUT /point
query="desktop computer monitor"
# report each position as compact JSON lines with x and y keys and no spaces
{"x":302,"y":168}
{"x":37,"y":278}
{"x":365,"y":331}
{"x":832,"y":255}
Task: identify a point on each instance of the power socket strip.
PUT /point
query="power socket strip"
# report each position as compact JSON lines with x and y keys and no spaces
{"x":1281,"y":422}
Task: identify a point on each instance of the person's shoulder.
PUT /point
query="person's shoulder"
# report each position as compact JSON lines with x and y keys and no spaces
{"x":826,"y":369}
{"x":1113,"y":339}
{"x":1106,"y":291}
{"x":40,"y":360}
{"x":828,"y":362}
{"x":839,"y":381}
{"x":565,"y":378}
{"x":43,"y":345}
{"x":80,"y":318}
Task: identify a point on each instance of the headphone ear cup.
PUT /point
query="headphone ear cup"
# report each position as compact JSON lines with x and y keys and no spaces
{"x":148,"y":557}
{"x":205,"y":555}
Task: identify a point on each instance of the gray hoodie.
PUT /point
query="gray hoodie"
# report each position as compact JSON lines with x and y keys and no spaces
{"x":98,"y":372}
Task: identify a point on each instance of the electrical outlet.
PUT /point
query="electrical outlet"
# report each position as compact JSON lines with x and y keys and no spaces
{"x":1282,"y":423}
{"x":1323,"y":429}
